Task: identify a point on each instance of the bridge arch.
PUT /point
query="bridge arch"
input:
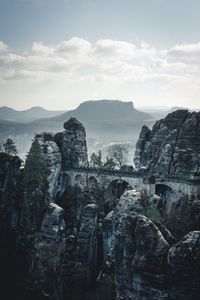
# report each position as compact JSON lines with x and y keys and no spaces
{"x":92,"y":182}
{"x":79,"y":180}
{"x":168,"y":196}
{"x":162,"y":189}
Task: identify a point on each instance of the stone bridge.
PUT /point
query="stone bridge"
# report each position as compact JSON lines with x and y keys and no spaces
{"x":136,"y":179}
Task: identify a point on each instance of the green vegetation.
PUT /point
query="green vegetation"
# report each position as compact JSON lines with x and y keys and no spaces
{"x":116,"y":158}
{"x":153,"y":214}
{"x":9,"y":147}
{"x":96,"y":159}
{"x":97,"y":162}
{"x":35,"y":186}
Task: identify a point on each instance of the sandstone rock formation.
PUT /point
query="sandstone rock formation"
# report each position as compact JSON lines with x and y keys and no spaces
{"x":69,"y":243}
{"x":72,"y":143}
{"x":46,"y":257}
{"x":184,"y":268}
{"x":141,"y":255}
{"x":172,"y":147}
{"x":53,"y":160}
{"x":172,"y":150}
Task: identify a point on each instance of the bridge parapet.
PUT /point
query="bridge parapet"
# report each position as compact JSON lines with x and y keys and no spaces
{"x":132,"y":174}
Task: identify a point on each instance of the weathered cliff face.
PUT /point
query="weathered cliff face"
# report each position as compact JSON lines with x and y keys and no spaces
{"x":172,"y":147}
{"x":47,"y":248}
{"x":184,"y":268}
{"x":143,"y":257}
{"x":72,"y":143}
{"x":138,"y":249}
{"x":53,"y":158}
{"x":141,"y":253}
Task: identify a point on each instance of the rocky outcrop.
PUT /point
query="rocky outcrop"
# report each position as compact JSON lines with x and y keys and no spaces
{"x":72,"y":144}
{"x":53,"y":160}
{"x":138,"y":249}
{"x":172,"y":147}
{"x":141,"y":255}
{"x":184,"y":268}
{"x":49,"y":245}
{"x":87,"y":243}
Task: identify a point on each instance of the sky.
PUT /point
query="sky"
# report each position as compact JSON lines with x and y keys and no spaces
{"x":58,"y":53}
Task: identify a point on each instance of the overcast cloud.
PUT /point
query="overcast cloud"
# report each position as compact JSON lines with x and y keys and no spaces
{"x":77,"y":69}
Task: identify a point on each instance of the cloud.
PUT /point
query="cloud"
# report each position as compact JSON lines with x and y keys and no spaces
{"x":106,"y":59}
{"x":109,"y":63}
{"x":3,"y":47}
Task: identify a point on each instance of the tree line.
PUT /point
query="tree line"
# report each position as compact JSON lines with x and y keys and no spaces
{"x":116,"y":159}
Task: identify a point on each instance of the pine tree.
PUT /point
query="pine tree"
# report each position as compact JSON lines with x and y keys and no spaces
{"x":96,"y":159}
{"x":10,"y":147}
{"x":35,"y":187}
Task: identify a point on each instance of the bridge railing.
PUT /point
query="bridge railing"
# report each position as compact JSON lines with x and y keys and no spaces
{"x":178,"y":180}
{"x":100,"y":171}
{"x":141,"y":173}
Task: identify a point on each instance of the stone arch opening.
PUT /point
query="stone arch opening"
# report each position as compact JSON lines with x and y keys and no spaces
{"x":167,"y":198}
{"x":113,"y":193}
{"x":163,"y":190}
{"x":79,"y":181}
{"x":92,"y":182}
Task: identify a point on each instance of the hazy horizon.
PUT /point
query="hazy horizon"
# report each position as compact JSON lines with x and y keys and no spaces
{"x":147,"y":107}
{"x":56,"y":53}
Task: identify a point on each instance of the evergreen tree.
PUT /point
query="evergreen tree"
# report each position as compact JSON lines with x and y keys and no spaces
{"x":35,"y":187}
{"x":96,"y":159}
{"x":10,"y":147}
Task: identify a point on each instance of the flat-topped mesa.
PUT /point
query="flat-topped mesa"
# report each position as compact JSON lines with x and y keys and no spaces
{"x":172,"y":147}
{"x":72,"y":143}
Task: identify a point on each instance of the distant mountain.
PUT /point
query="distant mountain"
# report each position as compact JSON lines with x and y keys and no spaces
{"x":104,"y":120}
{"x":106,"y":110}
{"x":28,"y":115}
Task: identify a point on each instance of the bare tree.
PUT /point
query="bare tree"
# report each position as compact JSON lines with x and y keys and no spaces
{"x":118,"y":153}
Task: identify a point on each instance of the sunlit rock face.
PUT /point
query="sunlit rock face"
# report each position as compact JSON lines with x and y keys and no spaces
{"x":172,"y":147}
{"x":72,"y":143}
